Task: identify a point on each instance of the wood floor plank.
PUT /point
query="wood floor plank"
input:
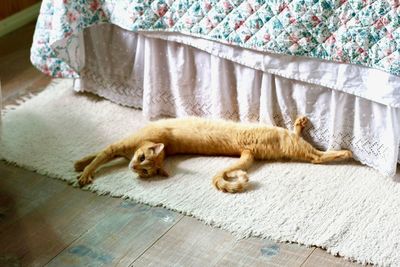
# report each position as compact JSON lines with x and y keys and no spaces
{"x":188,"y":243}
{"x":191,"y":243}
{"x":119,"y":238}
{"x":36,"y":237}
{"x":262,"y":252}
{"x":21,"y":191}
{"x":320,"y":257}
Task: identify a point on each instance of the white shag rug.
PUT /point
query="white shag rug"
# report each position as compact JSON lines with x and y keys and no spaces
{"x":349,"y":209}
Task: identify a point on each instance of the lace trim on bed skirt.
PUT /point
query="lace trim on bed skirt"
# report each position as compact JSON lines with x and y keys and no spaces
{"x":123,"y":93}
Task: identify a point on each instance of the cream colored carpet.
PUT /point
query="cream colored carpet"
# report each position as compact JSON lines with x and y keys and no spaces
{"x":348,"y":209}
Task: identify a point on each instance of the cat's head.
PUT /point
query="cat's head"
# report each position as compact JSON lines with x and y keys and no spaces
{"x":148,"y":160}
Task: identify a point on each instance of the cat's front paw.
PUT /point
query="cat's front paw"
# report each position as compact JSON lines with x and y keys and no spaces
{"x":84,"y":179}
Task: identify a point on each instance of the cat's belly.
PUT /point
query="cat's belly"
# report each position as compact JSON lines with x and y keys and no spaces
{"x":263,"y":142}
{"x":271,"y":145}
{"x":204,"y":148}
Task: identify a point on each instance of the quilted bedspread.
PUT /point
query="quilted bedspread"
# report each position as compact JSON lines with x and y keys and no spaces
{"x":364,"y":32}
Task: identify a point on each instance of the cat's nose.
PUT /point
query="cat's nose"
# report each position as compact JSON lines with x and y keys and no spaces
{"x":135,"y":167}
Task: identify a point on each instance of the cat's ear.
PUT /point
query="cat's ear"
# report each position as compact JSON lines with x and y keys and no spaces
{"x":157,"y":148}
{"x":162,"y":172}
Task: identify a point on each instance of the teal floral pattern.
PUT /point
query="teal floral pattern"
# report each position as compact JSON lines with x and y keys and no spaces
{"x":363,"y":32}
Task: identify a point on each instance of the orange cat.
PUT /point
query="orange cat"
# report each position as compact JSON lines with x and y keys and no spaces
{"x":147,"y":148}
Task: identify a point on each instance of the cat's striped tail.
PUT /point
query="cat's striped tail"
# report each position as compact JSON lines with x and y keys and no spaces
{"x":232,"y":182}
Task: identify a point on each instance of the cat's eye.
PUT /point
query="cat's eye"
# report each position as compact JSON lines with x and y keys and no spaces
{"x":141,"y":158}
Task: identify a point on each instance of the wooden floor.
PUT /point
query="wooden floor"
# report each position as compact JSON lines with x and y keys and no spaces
{"x":47,"y":222}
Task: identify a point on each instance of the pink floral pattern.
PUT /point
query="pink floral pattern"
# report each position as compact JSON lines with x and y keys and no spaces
{"x":349,"y":31}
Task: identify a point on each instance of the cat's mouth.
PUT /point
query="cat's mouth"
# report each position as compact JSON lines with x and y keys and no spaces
{"x":141,"y":173}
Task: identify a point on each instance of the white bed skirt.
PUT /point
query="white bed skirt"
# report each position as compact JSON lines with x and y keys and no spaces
{"x":170,"y":79}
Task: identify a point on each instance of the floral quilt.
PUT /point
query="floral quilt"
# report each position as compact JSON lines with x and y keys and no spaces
{"x":364,"y":32}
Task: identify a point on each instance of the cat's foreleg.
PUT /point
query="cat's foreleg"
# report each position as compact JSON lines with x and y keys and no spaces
{"x":83,"y":162}
{"x":108,"y":154}
{"x":299,"y":125}
{"x":234,"y":178}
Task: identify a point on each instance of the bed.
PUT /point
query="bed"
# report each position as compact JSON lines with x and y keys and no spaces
{"x":336,"y":62}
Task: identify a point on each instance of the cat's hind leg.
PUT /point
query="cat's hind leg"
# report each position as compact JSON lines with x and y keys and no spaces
{"x":299,"y":125}
{"x":329,"y":155}
{"x":234,"y":178}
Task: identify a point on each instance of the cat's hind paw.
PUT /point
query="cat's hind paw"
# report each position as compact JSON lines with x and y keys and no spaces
{"x":301,"y":121}
{"x":299,"y":125}
{"x":348,"y":154}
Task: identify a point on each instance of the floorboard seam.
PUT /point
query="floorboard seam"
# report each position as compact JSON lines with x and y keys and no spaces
{"x":72,"y":241}
{"x":152,"y":244}
{"x":309,"y":255}
{"x":67,"y":246}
